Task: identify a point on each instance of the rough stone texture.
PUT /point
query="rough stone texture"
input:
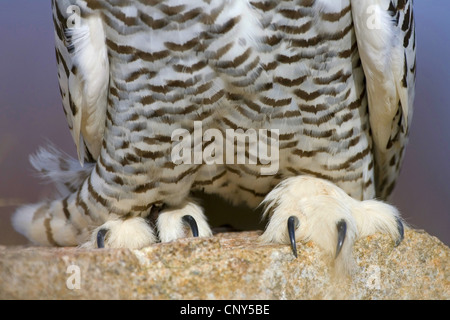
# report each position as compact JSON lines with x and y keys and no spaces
{"x":229,"y":266}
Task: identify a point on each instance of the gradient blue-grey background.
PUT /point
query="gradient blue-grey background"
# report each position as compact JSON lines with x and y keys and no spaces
{"x":31,"y":114}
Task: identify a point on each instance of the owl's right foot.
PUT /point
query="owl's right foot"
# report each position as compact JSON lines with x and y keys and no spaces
{"x":188,"y":220}
{"x":169,"y":224}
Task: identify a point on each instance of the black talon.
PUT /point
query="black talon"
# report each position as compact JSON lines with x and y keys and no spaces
{"x":400,"y":231}
{"x":154,"y":213}
{"x":101,"y":238}
{"x":190,"y":221}
{"x":342,"y":230}
{"x":292,"y":224}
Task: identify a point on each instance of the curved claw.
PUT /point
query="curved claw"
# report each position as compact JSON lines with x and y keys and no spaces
{"x":400,"y":231}
{"x":190,"y":221}
{"x":342,"y":230}
{"x":292,"y":224}
{"x":101,"y":238}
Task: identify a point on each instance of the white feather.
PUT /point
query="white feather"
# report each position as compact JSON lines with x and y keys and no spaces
{"x":89,"y":86}
{"x":60,"y":168}
{"x":382,"y":55}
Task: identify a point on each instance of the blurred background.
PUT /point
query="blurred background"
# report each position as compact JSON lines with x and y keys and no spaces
{"x":31,"y":116}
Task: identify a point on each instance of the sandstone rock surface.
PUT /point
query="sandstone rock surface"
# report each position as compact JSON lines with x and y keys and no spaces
{"x":227,"y":266}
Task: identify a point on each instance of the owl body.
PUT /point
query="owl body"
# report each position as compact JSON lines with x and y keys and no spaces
{"x":329,"y":83}
{"x":234,"y":66}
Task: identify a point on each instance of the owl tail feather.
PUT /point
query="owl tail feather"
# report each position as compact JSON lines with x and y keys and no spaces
{"x":58,"y":222}
{"x":46,"y":224}
{"x":60,"y":169}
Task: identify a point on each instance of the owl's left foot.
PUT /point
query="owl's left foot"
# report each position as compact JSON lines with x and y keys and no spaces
{"x":306,"y":208}
{"x":341,"y":226}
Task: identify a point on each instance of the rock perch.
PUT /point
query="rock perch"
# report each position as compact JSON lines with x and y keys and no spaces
{"x":227,"y":266}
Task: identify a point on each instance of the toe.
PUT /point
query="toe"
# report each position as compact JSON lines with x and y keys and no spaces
{"x":172,"y":222}
{"x":133,"y":233}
